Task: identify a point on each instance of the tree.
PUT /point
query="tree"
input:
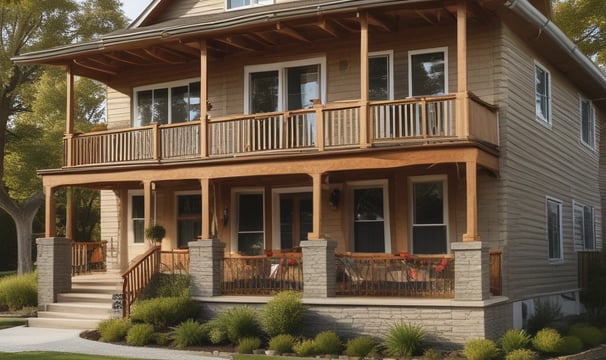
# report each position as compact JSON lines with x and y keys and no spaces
{"x":29,"y":25}
{"x":584,"y":21}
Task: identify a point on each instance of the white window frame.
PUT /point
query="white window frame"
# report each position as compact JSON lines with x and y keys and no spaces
{"x":280,"y":67}
{"x":538,"y":115}
{"x":389,"y":55}
{"x":411,"y":53}
{"x":558,"y":202}
{"x":423,"y":179}
{"x":167,"y":85}
{"x":379,"y":183}
{"x":276,"y":241}
{"x":592,"y":126}
{"x":253,"y":3}
{"x":131,"y":229}
{"x":579,"y":244}
{"x":233,"y":216}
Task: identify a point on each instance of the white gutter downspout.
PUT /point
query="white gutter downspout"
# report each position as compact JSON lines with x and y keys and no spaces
{"x":524,"y":9}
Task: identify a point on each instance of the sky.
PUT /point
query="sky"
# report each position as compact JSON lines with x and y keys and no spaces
{"x":132,"y":8}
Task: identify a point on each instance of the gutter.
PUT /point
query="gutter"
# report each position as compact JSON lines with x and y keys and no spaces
{"x":528,"y":12}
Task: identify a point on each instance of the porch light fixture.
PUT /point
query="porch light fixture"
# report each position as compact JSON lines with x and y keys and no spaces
{"x":333,"y":199}
{"x":225,"y":217}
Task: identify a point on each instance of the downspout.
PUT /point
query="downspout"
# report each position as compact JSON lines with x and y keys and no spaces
{"x":524,"y":9}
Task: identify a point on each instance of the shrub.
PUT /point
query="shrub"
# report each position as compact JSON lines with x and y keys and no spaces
{"x":545,"y":313}
{"x":19,"y":291}
{"x":167,"y":285}
{"x":547,"y":341}
{"x":164,"y":312}
{"x":361,"y":347}
{"x":569,"y":345}
{"x":433,"y":354}
{"x":113,"y":330}
{"x":514,"y":339}
{"x":328,"y":342}
{"x":603,"y":330}
{"x":140,"y":334}
{"x":282,"y":343}
{"x":404,"y":340}
{"x":189,"y":333}
{"x":283,"y":314}
{"x":480,"y":349}
{"x":589,"y":335}
{"x":161,"y":339}
{"x":306,"y":347}
{"x":248,"y":344}
{"x":239,"y":322}
{"x":522,"y":354}
{"x":217,"y":335}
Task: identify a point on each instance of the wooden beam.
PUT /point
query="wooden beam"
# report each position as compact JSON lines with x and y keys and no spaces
{"x":424,"y":17}
{"x":471,"y":175}
{"x":286,"y":30}
{"x":316,"y":233}
{"x":69,"y":123}
{"x":95,"y":68}
{"x":169,"y":59}
{"x":50,"y":218}
{"x":121,"y":58}
{"x":203,"y":99}
{"x":364,"y":80}
{"x":70,"y":214}
{"x":327,"y":27}
{"x":235,"y":43}
{"x":205,"y":193}
{"x":372,"y":20}
{"x":148,"y":204}
{"x":266,"y":37}
{"x":258,"y":40}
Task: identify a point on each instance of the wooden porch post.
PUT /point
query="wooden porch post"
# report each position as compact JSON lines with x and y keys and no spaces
{"x":472,"y":202}
{"x":462,"y":85}
{"x":317,"y":207}
{"x":203,"y":101}
{"x":70,"y":214}
{"x":50,"y":227}
{"x":364,"y":80}
{"x":205,"y":231}
{"x":69,"y":121}
{"x":148,"y":203}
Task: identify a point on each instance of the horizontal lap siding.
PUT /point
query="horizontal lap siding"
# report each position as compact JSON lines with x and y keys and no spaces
{"x":186,"y":8}
{"x":539,"y":161}
{"x":118,"y":109}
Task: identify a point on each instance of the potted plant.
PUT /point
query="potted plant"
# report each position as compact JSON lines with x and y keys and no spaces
{"x":155,"y":233}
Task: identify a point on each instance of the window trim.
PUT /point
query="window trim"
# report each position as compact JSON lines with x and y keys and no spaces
{"x":423,"y":179}
{"x":130,"y":228}
{"x":280,"y":68}
{"x":592,"y":114}
{"x":576,"y":204}
{"x":538,"y":116}
{"x":559,"y":203}
{"x":411,"y":53}
{"x":233,"y":214}
{"x":276,"y":241}
{"x":389,"y":54}
{"x":253,"y":3}
{"x":168,"y":85}
{"x":366,"y":184}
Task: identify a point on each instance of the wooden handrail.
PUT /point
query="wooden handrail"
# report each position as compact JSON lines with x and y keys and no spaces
{"x":138,"y":275}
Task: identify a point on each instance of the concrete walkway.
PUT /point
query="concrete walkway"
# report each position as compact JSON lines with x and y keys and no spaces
{"x":23,"y":339}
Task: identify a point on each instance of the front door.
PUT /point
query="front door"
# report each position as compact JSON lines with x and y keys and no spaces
{"x":296,"y":219}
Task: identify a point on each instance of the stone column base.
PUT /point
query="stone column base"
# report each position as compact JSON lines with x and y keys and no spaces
{"x":206,"y":267}
{"x":472,"y":280}
{"x":319,"y":268}
{"x":54,"y":269}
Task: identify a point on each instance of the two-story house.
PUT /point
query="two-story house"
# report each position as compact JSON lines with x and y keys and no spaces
{"x":433,"y":161}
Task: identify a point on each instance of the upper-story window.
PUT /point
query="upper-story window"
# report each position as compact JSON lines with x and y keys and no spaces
{"x":237,"y":4}
{"x":542,"y":93}
{"x":587,"y":122}
{"x":380,"y":75}
{"x":428,"y":72}
{"x":167,"y":103}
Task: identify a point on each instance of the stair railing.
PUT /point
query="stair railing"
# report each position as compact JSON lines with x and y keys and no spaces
{"x":137,"y":276}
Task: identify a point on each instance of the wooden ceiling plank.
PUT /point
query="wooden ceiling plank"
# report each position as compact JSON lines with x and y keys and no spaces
{"x":160,"y":57}
{"x":231,"y":42}
{"x":121,"y":58}
{"x":424,"y":17}
{"x":94,"y":68}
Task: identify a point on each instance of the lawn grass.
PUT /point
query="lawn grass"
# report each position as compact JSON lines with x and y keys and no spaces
{"x":11,"y":322}
{"x":37,"y":355}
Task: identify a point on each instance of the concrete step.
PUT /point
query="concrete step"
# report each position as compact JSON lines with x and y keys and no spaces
{"x":63,"y":315}
{"x":96,"y":289}
{"x":83,"y":324}
{"x":85,"y":297}
{"x":81,"y":307}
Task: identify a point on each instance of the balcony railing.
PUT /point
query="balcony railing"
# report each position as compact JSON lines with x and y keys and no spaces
{"x":323,"y":127}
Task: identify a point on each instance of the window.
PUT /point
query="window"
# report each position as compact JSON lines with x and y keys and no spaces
{"x":587,"y":122}
{"x":583,"y":227}
{"x":250,"y":223}
{"x":380,"y":76}
{"x":189,"y":218}
{"x":237,"y":4}
{"x":428,"y":72}
{"x":370,"y":217}
{"x":167,"y":104}
{"x":429,"y":215}
{"x":554,"y":228}
{"x":542,"y":93}
{"x":137,"y":216}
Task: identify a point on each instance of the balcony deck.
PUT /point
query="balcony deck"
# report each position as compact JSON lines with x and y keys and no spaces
{"x":321,"y":128}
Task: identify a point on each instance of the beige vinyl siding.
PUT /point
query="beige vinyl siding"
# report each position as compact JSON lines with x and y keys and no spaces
{"x":110,"y":225}
{"x":539,"y":161}
{"x":118,"y":110}
{"x":186,"y":8}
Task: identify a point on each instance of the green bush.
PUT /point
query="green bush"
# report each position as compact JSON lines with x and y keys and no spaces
{"x":480,"y":349}
{"x":404,"y":340}
{"x":569,"y":345}
{"x":113,"y":330}
{"x":305,"y":348}
{"x":433,"y":354}
{"x":167,"y":285}
{"x":282,"y":343}
{"x":547,"y":341}
{"x":545,"y":314}
{"x":246,"y":345}
{"x":328,"y":342}
{"x":217,"y":335}
{"x":591,"y":336}
{"x":361,"y":347}
{"x":514,"y":339}
{"x":189,"y":333}
{"x":161,"y":339}
{"x":19,"y":291}
{"x":140,"y":335}
{"x":283,"y":314}
{"x":239,"y":322}
{"x":164,"y":312}
{"x":522,"y":354}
